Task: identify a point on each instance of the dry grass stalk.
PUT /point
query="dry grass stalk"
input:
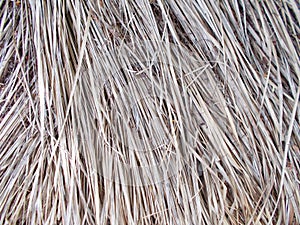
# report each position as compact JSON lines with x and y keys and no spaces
{"x":149,"y":112}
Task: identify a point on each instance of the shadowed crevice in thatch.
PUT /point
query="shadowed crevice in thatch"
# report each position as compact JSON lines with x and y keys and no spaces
{"x":149,"y":112}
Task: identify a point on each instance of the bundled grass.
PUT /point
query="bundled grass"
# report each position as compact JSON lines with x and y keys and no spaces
{"x":149,"y":112}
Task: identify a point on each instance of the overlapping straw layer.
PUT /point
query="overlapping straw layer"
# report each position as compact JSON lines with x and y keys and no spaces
{"x":149,"y":112}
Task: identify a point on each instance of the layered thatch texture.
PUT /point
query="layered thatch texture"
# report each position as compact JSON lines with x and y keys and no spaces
{"x":149,"y":112}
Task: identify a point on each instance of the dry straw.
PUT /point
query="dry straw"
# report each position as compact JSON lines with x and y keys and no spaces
{"x":149,"y":112}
